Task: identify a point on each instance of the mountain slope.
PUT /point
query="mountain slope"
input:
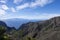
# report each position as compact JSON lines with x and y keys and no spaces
{"x":45,"y":30}
{"x":6,"y":31}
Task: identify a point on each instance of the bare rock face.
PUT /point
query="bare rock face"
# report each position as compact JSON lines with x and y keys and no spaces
{"x":45,"y":30}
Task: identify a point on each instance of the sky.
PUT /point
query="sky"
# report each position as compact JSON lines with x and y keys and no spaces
{"x":29,"y":9}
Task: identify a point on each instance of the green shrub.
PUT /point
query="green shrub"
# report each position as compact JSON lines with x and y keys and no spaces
{"x":2,"y":31}
{"x":30,"y":38}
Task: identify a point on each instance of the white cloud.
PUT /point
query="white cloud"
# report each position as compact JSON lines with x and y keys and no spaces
{"x":17,"y":1}
{"x":45,"y":16}
{"x":3,"y":1}
{"x":4,"y":7}
{"x":2,"y":12}
{"x":22,"y":6}
{"x":40,"y":3}
{"x":41,"y":16}
{"x":13,"y":9}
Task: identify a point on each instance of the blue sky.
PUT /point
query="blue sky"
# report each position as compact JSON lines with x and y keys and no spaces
{"x":29,"y":9}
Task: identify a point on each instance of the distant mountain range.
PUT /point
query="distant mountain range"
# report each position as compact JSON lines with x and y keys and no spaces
{"x":16,"y":22}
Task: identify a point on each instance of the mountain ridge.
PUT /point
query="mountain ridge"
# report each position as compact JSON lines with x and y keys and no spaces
{"x":40,"y":30}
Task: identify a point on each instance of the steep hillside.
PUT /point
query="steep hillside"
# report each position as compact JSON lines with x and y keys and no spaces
{"x":45,"y":30}
{"x":6,"y":33}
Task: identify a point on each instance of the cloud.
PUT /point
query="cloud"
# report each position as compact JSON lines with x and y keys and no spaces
{"x":36,"y":3}
{"x":3,"y":1}
{"x":40,"y":3}
{"x":17,"y":1}
{"x":2,"y":12}
{"x":31,"y":4}
{"x":13,"y":9}
{"x":22,"y":6}
{"x":45,"y":16}
{"x":4,"y":7}
{"x":42,"y":16}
